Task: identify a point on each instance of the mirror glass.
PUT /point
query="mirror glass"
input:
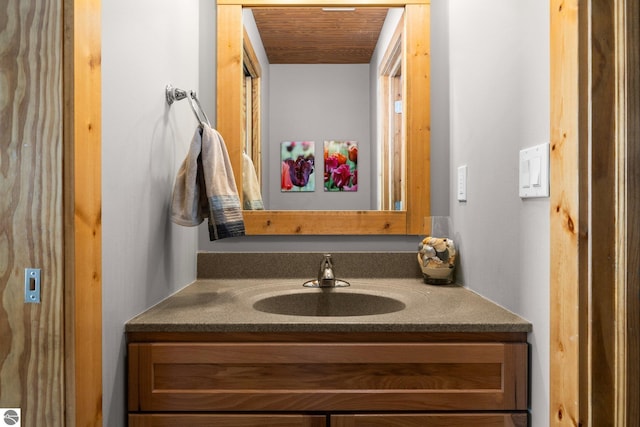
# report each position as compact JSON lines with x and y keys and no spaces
{"x":393,"y":183}
{"x":315,"y":78}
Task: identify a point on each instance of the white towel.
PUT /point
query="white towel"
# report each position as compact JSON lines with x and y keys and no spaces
{"x":251,"y":197}
{"x":205,"y":188}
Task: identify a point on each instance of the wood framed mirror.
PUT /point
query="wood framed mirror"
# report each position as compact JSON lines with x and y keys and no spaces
{"x":231,"y":121}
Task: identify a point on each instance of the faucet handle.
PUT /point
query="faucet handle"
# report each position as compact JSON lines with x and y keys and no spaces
{"x":326,"y":276}
{"x":327,"y":261}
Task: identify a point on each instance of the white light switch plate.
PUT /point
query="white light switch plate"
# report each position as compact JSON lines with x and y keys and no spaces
{"x":534,"y":171}
{"x":462,"y":184}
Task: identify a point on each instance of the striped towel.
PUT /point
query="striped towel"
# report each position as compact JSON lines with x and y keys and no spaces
{"x":205,"y":188}
{"x":252,"y":200}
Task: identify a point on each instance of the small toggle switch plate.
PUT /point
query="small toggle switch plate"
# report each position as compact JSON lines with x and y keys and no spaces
{"x":32,"y":285}
{"x":462,"y":184}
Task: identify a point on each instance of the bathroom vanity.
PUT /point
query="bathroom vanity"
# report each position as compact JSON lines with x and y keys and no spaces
{"x":216,"y":353}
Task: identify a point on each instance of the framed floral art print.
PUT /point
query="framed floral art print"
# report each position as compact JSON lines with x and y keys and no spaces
{"x":340,"y":166}
{"x":297,"y":164}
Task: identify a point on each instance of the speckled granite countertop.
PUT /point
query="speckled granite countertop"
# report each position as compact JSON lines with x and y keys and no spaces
{"x":226,"y":305}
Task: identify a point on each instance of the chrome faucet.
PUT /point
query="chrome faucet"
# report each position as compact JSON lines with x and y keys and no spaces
{"x":326,"y":276}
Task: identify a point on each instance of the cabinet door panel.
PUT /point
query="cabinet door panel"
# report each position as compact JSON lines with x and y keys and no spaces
{"x":227,"y":420}
{"x":327,"y":376}
{"x":430,"y":420}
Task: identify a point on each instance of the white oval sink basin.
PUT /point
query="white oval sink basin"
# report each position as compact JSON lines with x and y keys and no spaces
{"x":328,"y":303}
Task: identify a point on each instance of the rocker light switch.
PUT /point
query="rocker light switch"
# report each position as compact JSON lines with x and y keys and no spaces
{"x":534,"y":171}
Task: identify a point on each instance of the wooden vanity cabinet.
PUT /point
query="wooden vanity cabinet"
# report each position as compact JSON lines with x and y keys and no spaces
{"x":226,"y":420}
{"x":429,"y":420}
{"x":316,"y":379}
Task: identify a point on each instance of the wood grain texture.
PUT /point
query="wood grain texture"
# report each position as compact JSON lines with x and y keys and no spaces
{"x":226,"y":420}
{"x":230,"y":83}
{"x":600,"y":385}
{"x":133,"y":389}
{"x":397,"y":155}
{"x":565,"y":241}
{"x":604,"y":233}
{"x":626,"y":322}
{"x":325,"y":222}
{"x":371,"y":376}
{"x":31,"y":228}
{"x":417,"y":76}
{"x":631,"y":374}
{"x":392,"y":124}
{"x":311,"y":35}
{"x":252,"y":65}
{"x":430,"y":420}
{"x":83,"y":215}
{"x":330,"y":376}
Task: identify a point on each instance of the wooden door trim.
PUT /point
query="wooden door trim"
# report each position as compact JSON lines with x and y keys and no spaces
{"x":82,"y":212}
{"x":252,"y":64}
{"x":595,"y":127}
{"x":627,"y":374}
{"x":390,"y":66}
{"x":565,"y":225}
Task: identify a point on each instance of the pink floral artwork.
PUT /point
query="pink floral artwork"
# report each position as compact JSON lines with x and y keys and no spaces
{"x":340,"y":166}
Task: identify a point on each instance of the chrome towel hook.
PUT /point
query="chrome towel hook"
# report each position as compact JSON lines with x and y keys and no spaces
{"x":173,"y":94}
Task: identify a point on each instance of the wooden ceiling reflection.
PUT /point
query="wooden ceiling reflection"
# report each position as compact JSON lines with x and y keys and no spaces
{"x":311,"y":35}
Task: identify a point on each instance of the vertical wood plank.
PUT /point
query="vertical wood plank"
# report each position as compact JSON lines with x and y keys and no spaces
{"x":391,"y":126}
{"x":398,"y":158}
{"x":385,"y":199}
{"x":565,"y":221}
{"x":603,"y":208}
{"x":31,"y":340}
{"x":83,"y":239}
{"x":632,"y":302}
{"x":603,"y":378}
{"x":627,"y":319}
{"x":133,"y":377}
{"x":517,"y":354}
{"x":417,"y":59}
{"x":253,"y":84}
{"x":230,"y":85}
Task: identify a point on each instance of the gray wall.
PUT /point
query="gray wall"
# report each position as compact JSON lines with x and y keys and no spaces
{"x":146,"y":44}
{"x":490,"y":96}
{"x":319,"y":102}
{"x":499,"y":70}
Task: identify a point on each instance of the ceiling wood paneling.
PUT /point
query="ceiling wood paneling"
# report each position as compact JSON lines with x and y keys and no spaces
{"x":310,"y":35}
